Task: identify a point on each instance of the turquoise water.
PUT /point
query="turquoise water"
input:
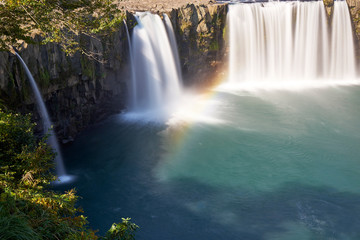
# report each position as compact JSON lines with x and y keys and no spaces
{"x":265,"y":164}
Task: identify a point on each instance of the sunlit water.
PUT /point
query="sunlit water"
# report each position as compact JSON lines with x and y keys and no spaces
{"x":234,"y":164}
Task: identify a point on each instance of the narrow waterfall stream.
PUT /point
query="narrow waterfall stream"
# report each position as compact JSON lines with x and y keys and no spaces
{"x":47,"y":125}
{"x":173,"y":44}
{"x":272,"y":154}
{"x":342,"y":43}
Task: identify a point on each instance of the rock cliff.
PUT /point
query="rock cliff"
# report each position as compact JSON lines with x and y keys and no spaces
{"x":79,"y":91}
{"x":200,"y":33}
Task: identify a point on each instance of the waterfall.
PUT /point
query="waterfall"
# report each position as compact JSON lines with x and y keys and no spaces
{"x":52,"y":140}
{"x":342,"y":47}
{"x":132,"y":68}
{"x":156,"y":81}
{"x":174,"y":47}
{"x":284,"y":41}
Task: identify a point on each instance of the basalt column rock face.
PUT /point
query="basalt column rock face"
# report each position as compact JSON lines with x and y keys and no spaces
{"x":200,"y":32}
{"x":77,"y":90}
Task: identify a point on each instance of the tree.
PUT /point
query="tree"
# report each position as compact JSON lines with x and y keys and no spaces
{"x":60,"y":21}
{"x":28,"y":208}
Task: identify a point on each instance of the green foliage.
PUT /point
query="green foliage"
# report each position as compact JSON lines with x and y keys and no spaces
{"x":122,"y":231}
{"x":15,"y":133}
{"x":60,"y":21}
{"x":15,"y":226}
{"x":87,"y":67}
{"x":214,"y":45}
{"x":28,"y":208}
{"x":44,"y":78}
{"x":225,"y":33}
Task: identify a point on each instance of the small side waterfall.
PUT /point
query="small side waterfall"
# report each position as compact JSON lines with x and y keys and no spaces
{"x":52,"y":140}
{"x":174,"y":46}
{"x":156,"y":80}
{"x":283,"y":41}
{"x":132,"y":67}
{"x":342,"y":47}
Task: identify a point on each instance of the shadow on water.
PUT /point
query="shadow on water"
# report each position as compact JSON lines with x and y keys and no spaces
{"x":189,"y":210}
{"x":115,"y":185}
{"x":292,"y":212}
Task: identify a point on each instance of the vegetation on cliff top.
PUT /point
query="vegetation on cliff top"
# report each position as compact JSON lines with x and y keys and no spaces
{"x":28,"y":208}
{"x":60,"y":21}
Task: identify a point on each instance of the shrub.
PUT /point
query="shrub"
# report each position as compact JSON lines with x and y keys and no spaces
{"x":29,"y":209}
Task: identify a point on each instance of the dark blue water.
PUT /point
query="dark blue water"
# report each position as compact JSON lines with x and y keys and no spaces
{"x":245,"y":165}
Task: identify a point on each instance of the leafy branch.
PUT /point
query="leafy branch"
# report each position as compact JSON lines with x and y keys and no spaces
{"x":58,"y":21}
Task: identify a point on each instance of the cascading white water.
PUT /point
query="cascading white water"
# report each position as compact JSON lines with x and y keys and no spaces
{"x":156,"y":81}
{"x":47,"y":125}
{"x":278,"y":41}
{"x":174,"y":46}
{"x":342,"y":47}
{"x":132,"y":67}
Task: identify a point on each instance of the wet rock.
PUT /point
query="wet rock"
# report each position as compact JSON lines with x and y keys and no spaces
{"x":199,"y":31}
{"x":329,"y":6}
